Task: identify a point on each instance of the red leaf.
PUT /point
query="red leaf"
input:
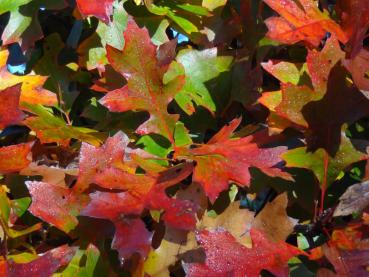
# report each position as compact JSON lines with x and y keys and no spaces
{"x":230,"y":160}
{"x":101,"y":9}
{"x":32,"y":90}
{"x":93,"y":160}
{"x":14,"y":158}
{"x":142,"y":191}
{"x":44,"y":266}
{"x":348,"y":262}
{"x":304,"y":22}
{"x":56,"y":205}
{"x":145,"y":90}
{"x":321,"y":63}
{"x":9,"y":106}
{"x":227,"y":257}
{"x":131,"y":236}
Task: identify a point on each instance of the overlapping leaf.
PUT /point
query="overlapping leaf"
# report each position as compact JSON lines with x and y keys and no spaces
{"x":15,"y":157}
{"x":50,"y":128}
{"x":232,"y":159}
{"x":56,"y":205}
{"x":145,"y":90}
{"x":302,"y":21}
{"x":325,"y":167}
{"x":23,"y":26}
{"x":32,"y":90}
{"x":225,"y":256}
{"x":44,"y":265}
{"x":10,"y":113}
{"x":100,"y":9}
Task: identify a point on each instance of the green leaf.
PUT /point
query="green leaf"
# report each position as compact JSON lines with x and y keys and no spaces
{"x":4,"y":204}
{"x":200,"y":67}
{"x":50,"y":128}
{"x":20,"y":205}
{"x":83,"y":263}
{"x":16,"y":26}
{"x":325,"y":168}
{"x":11,"y":5}
{"x":182,"y":22}
{"x":198,"y":10}
{"x":181,"y":136}
{"x":112,"y":34}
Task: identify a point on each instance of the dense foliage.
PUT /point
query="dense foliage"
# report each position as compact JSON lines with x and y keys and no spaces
{"x":184,"y":137}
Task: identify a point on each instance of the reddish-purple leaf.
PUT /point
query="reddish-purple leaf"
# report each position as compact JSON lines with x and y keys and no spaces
{"x":343,"y":103}
{"x":355,"y":22}
{"x":56,"y":205}
{"x":225,"y":256}
{"x":93,"y":160}
{"x":44,"y":266}
{"x":359,"y":66}
{"x":131,"y":236}
{"x":142,"y":191}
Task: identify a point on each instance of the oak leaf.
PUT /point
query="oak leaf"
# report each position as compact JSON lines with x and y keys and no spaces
{"x":45,"y":265}
{"x":230,"y":160}
{"x":10,"y":113}
{"x":325,"y":167}
{"x":15,"y":157}
{"x":145,"y":90}
{"x":303,"y":22}
{"x":32,"y":90}
{"x":100,"y":9}
{"x":225,"y":256}
{"x":56,"y":205}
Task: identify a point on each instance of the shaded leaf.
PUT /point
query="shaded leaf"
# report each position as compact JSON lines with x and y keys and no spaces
{"x":325,"y":167}
{"x":131,"y":236}
{"x":273,"y":220}
{"x":200,"y":67}
{"x":354,"y":200}
{"x":343,"y":103}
